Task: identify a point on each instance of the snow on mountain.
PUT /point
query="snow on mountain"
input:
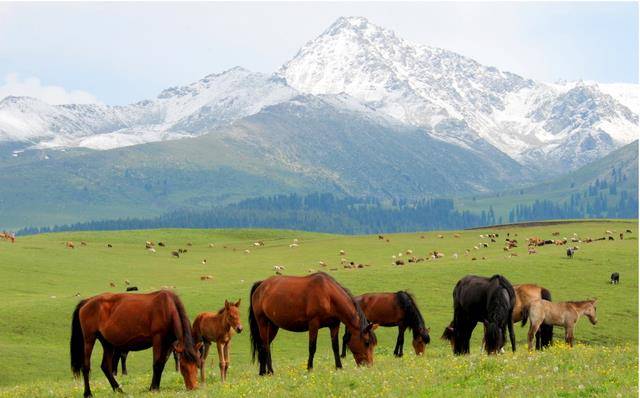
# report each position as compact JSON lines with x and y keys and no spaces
{"x":424,"y":86}
{"x":359,"y":66}
{"x":178,"y":112}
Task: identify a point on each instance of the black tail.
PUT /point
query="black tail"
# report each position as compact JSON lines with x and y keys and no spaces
{"x":546,"y":331}
{"x":76,"y":346}
{"x":253,"y":325}
{"x":412,"y":316}
{"x":525,"y":316}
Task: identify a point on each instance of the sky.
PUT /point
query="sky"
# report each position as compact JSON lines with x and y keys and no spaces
{"x":119,"y":53}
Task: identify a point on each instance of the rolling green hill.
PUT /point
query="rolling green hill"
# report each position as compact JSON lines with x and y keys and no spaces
{"x":613,"y":177}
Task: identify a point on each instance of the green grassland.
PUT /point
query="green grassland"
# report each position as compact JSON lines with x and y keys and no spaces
{"x":41,"y":278}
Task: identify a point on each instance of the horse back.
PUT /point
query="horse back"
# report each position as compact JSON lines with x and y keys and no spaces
{"x":381,"y":308}
{"x":129,"y":319}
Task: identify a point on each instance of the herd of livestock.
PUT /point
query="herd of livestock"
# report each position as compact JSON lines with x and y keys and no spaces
{"x":124,"y":322}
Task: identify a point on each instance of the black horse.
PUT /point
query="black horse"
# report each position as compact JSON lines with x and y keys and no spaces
{"x":480,"y":299}
{"x":393,"y":309}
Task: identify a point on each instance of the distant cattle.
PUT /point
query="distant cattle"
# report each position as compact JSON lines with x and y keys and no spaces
{"x":206,"y":277}
{"x":175,"y":254}
{"x":342,"y":252}
{"x":189,"y":244}
{"x":161,"y":244}
{"x":555,"y":234}
{"x":132,"y":288}
{"x":83,"y":243}
{"x":621,"y":236}
{"x":456,"y":235}
{"x":615,"y":278}
{"x":611,"y":238}
{"x":380,"y":237}
{"x":628,"y":231}
{"x":70,"y":245}
{"x":399,"y":262}
{"x":109,"y":245}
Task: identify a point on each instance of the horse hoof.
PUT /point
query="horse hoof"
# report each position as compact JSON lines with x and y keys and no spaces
{"x":118,"y":390}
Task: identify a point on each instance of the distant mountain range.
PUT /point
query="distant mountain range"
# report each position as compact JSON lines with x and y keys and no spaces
{"x":357,"y":112}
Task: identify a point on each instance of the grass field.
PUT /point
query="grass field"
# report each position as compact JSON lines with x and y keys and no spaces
{"x":41,"y":278}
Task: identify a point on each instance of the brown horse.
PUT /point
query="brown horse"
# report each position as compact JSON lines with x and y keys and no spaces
{"x":218,"y":327}
{"x":394,"y":309}
{"x":307,"y":303}
{"x":132,"y":322}
{"x":564,"y":314}
{"x":525,"y":295}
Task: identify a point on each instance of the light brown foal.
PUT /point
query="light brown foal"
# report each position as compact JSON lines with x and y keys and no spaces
{"x":219,"y":327}
{"x":564,"y":314}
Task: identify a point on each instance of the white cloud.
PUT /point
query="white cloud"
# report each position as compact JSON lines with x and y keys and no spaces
{"x":32,"y":87}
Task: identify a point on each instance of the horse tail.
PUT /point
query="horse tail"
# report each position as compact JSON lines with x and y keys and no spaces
{"x":546,"y":331}
{"x":76,"y":345}
{"x":253,"y":325}
{"x":185,"y":329}
{"x":525,"y":315}
{"x":412,"y":316}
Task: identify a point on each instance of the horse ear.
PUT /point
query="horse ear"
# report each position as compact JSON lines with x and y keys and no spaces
{"x":374,"y":326}
{"x":237,"y":304}
{"x":178,"y":347}
{"x":198,"y":346}
{"x":226,"y":304}
{"x":429,"y":329}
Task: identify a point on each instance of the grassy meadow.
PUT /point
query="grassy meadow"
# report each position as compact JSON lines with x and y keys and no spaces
{"x":43,"y":280}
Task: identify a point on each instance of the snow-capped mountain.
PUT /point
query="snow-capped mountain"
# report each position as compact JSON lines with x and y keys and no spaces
{"x":359,"y":65}
{"x":177,"y":112}
{"x":565,"y":125}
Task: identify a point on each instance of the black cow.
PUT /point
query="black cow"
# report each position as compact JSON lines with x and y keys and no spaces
{"x":615,"y":278}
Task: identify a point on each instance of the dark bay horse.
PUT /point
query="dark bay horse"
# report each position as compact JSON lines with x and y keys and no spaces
{"x":133,"y":322}
{"x":394,"y":309}
{"x":480,"y":299}
{"x":307,"y":303}
{"x":525,"y":295}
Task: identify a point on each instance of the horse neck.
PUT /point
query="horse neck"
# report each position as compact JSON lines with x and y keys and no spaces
{"x":580,"y":307}
{"x":347,"y":313}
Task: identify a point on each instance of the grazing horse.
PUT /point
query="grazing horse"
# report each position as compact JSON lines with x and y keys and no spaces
{"x":615,"y":278}
{"x":487,"y":300}
{"x":525,"y":294}
{"x":218,"y":327}
{"x":564,"y":314}
{"x":307,"y":303}
{"x":131,"y":322}
{"x":394,"y":309}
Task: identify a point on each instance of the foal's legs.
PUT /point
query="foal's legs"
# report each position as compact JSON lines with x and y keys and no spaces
{"x":313,"y":338}
{"x":225,"y":352}
{"x":221,"y":362}
{"x":568,"y":334}
{"x":335,"y":344}
{"x":207,"y":346}
{"x":398,"y":351}
{"x":533,"y":329}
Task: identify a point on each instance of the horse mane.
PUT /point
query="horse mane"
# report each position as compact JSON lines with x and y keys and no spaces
{"x":412,"y":316}
{"x":364,"y":322}
{"x":189,"y":347}
{"x":499,"y":311}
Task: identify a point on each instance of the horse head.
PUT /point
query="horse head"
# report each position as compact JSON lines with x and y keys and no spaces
{"x":493,"y":337}
{"x":420,"y":340}
{"x":590,"y":311}
{"x":190,"y":361}
{"x":232,"y":315}
{"x":362,"y":342}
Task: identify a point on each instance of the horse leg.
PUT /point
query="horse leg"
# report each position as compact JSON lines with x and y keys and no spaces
{"x":123,"y":360}
{"x":268,"y":332}
{"x":207,"y":346}
{"x":400,"y":341}
{"x":160,"y":356}
{"x":116,"y":361}
{"x":345,"y":341}
{"x":89,"y":341}
{"x":220,"y":359}
{"x":313,"y":339}
{"x":107,"y":365}
{"x":533,"y":328}
{"x":225,"y":351}
{"x":568,"y":334}
{"x":335,"y":344}
{"x":176,"y":360}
